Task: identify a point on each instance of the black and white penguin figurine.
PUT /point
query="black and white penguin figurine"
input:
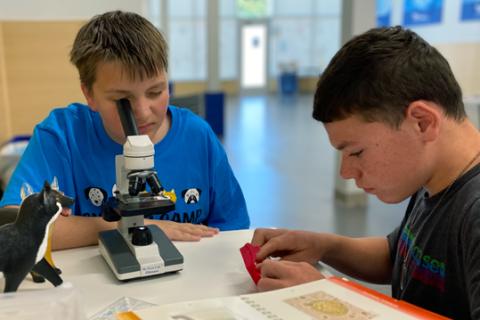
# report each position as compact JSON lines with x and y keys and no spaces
{"x":24,"y":242}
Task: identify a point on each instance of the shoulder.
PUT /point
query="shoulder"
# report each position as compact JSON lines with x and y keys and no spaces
{"x":467,"y":202}
{"x":468,"y":225}
{"x":185,"y":116}
{"x":75,"y":114}
{"x":191,"y":124}
{"x":192,"y":130}
{"x":470,"y":190}
{"x":66,"y":125}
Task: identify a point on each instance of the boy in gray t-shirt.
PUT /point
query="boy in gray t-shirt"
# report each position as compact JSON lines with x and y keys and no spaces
{"x":391,"y":105}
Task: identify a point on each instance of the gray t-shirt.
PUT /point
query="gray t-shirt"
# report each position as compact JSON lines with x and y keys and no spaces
{"x":435,"y":251}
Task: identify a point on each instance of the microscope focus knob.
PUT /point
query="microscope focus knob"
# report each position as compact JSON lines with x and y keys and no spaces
{"x":141,"y":236}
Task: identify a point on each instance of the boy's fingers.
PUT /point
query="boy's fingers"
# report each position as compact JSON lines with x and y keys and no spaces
{"x":275,"y":246}
{"x":186,"y":231}
{"x":182,"y":236}
{"x":275,"y":269}
{"x":197,"y":230}
{"x":266,"y":250}
{"x":261,"y":236}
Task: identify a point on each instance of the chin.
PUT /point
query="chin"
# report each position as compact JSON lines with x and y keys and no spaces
{"x":154,"y":136}
{"x":389,"y":199}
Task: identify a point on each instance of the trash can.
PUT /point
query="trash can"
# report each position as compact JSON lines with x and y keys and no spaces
{"x":288,"y":80}
{"x":214,"y":111}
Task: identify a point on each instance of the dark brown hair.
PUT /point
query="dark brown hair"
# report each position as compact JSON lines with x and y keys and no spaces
{"x":379,"y":73}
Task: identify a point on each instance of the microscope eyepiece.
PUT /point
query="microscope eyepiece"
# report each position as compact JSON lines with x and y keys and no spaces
{"x":129,"y":125}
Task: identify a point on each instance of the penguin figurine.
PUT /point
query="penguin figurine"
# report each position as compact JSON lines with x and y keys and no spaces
{"x":36,"y":277}
{"x":25,"y":241}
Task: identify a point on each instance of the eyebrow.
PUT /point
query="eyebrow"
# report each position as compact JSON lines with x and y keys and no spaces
{"x":118,"y":91}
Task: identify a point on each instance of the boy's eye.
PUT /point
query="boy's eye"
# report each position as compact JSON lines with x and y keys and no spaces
{"x":115,"y":99}
{"x":155,"y":93}
{"x":356,"y":154}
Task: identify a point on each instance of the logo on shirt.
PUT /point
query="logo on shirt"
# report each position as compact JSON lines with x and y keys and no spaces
{"x":191,"y":195}
{"x":97,"y":196}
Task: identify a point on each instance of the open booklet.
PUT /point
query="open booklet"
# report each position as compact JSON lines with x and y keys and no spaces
{"x":331,"y":298}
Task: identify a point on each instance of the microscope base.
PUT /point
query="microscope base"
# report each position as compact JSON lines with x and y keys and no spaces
{"x":125,"y":265}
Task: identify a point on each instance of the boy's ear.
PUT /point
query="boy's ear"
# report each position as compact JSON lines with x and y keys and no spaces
{"x":425,"y":117}
{"x":87,"y":93}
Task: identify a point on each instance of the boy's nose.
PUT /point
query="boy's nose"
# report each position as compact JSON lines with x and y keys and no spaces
{"x":141,"y":108}
{"x":348,"y":171}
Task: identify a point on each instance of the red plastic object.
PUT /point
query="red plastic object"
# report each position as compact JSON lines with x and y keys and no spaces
{"x":249,"y":252}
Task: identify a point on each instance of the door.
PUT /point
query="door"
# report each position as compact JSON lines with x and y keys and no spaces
{"x":253,"y":58}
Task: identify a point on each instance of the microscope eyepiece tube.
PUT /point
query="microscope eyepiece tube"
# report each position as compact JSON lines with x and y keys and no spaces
{"x":124,"y":109}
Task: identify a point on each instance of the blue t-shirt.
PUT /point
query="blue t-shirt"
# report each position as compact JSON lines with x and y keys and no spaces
{"x":72,"y":145}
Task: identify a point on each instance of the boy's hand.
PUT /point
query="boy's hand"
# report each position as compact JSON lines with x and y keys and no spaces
{"x":282,"y":274}
{"x":289,"y":245}
{"x":183,"y":231}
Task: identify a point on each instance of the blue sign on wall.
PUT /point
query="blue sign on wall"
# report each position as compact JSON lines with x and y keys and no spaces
{"x":418,"y":12}
{"x":471,"y":10}
{"x":384,"y":10}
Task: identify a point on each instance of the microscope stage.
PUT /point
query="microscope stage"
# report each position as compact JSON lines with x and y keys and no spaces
{"x":143,"y":204}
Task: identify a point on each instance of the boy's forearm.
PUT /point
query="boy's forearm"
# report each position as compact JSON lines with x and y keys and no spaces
{"x":76,"y":231}
{"x":362,"y":258}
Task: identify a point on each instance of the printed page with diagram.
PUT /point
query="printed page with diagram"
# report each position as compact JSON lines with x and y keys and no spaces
{"x":332,"y":298}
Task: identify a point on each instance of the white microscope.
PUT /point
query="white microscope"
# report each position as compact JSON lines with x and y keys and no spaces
{"x":134,"y":250}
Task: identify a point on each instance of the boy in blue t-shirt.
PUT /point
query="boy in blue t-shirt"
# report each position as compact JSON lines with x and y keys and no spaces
{"x":122,"y":55}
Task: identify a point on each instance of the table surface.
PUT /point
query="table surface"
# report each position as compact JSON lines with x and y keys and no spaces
{"x":213,"y":267}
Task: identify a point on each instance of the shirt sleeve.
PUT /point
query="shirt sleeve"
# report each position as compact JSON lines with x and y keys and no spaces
{"x":45,"y":157}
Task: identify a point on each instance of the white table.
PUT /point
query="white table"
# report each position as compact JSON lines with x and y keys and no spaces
{"x":213,"y":267}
